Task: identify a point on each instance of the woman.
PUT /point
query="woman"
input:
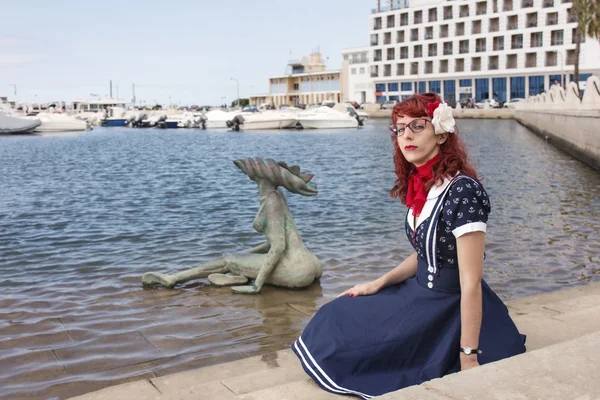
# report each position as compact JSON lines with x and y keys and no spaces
{"x":433,"y":314}
{"x":282,"y":260}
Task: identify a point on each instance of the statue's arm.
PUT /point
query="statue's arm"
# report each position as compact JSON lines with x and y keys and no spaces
{"x":261,"y":248}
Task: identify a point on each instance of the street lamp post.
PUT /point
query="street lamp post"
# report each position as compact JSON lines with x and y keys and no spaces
{"x":238,"y":90}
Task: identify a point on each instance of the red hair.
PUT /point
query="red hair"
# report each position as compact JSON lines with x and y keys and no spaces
{"x":452,"y":155}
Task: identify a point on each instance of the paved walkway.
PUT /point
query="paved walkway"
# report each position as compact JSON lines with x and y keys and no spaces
{"x":563,"y":342}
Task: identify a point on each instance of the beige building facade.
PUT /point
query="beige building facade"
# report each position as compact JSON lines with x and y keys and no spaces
{"x":307,"y":81}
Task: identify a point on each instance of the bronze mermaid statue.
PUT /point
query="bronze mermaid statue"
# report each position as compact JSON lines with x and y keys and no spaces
{"x":282,"y":260}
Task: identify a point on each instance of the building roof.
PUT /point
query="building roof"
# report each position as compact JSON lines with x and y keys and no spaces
{"x":333,"y":71}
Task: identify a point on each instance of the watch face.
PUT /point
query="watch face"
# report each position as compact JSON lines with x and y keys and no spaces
{"x":467,"y":350}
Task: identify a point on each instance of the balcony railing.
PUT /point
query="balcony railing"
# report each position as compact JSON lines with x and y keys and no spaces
{"x":480,"y":49}
{"x":532,"y":23}
{"x":447,"y":16}
{"x":481,"y":11}
{"x":447,"y":52}
{"x":552,"y":21}
{"x":512,"y":26}
{"x":463,"y":50}
{"x":403,"y":56}
{"x":387,"y":41}
{"x":551,"y":62}
{"x":530,"y":63}
{"x":556,"y":42}
{"x":516,"y":45}
{"x":374,"y":74}
{"x":432,"y":53}
{"x":387,"y":73}
{"x":377,"y":58}
{"x":390,"y":57}
{"x":374,"y":42}
{"x":493,"y":65}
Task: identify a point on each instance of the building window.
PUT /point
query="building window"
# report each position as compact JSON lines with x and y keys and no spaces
{"x":571,"y":57}
{"x":391,"y":21}
{"x":418,"y":51}
{"x":374,"y":71}
{"x":464,"y":11}
{"x":352,"y":71}
{"x":362,"y":70}
{"x":429,"y":32}
{"x":450,"y":92}
{"x":422,"y":87}
{"x":482,"y":88}
{"x":494,"y":24}
{"x":387,"y":70}
{"x":374,"y":39}
{"x":447,"y":48}
{"x":400,"y":37}
{"x":570,"y":16}
{"x":418,"y":17}
{"x":432,"y":50}
{"x":481,"y":8}
{"x":536,"y":39}
{"x":432,"y":15}
{"x":406,"y":86}
{"x":444,"y":31}
{"x":400,"y":69}
{"x":480,"y":45}
{"x":512,"y":22}
{"x":459,"y":65}
{"x":516,"y":41}
{"x":435,"y":87}
{"x":429,"y":67}
{"x":476,"y":64}
{"x":556,"y":38}
{"x":463,"y":46}
{"x":517,"y":87}
{"x":377,"y":24}
{"x":476,"y":27}
{"x":499,"y":89}
{"x":536,"y":85}
{"x":465,"y":83}
{"x":511,"y":61}
{"x":493,"y":62}
{"x":392,"y":87}
{"x":387,"y":38}
{"x":404,"y":19}
{"x":391,"y":54}
{"x":443,"y":66}
{"x":530,"y":60}
{"x":460,"y":29}
{"x":551,"y":59}
{"x":552,"y":18}
{"x":548,"y":3}
{"x":526,"y":3}
{"x":414,"y":34}
{"x":380,"y":87}
{"x":574,"y":36}
{"x":404,"y":52}
{"x":448,"y":12}
{"x":377,"y":55}
{"x":508,"y":5}
{"x":498,"y":43}
{"x":532,"y":20}
{"x":414,"y":68}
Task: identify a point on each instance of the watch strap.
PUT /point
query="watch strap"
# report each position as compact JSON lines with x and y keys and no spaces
{"x":473,"y":351}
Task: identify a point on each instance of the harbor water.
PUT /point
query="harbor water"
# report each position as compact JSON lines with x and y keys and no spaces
{"x":83,"y":216}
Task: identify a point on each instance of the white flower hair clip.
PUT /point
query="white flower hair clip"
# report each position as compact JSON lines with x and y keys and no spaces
{"x":442,"y":121}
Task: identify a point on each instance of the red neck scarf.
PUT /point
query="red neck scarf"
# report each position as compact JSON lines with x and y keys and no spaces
{"x":416,"y":194}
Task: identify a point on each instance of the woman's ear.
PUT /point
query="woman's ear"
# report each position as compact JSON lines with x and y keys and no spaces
{"x":442,"y":137}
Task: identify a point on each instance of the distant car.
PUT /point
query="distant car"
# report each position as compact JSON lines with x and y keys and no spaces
{"x":388,"y":105}
{"x":354,"y":104}
{"x":487,"y":103}
{"x":250,"y":108}
{"x":512,"y":103}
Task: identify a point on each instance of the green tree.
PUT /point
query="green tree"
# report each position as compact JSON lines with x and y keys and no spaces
{"x":243,"y":103}
{"x":587,"y":13}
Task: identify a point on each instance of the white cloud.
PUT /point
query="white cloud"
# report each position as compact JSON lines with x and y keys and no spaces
{"x":18,"y":59}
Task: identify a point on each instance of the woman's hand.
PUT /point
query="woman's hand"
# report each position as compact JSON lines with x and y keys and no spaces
{"x":468,"y":362}
{"x":363,"y":289}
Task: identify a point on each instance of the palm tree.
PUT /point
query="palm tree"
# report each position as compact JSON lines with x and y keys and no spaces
{"x":587,"y":13}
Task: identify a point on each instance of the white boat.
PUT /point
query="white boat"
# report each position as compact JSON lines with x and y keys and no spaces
{"x":217,"y":119}
{"x":327,"y":118}
{"x":14,"y":125}
{"x":263,"y":121}
{"x":56,"y":122}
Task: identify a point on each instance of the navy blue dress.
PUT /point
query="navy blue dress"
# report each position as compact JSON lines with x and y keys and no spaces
{"x":409,"y":333}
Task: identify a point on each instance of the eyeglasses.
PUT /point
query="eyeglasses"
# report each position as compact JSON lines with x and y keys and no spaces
{"x":416,"y":125}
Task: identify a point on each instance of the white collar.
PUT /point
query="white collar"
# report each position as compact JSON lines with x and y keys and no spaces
{"x":435,"y":191}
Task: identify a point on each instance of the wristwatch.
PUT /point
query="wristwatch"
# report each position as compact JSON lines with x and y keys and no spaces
{"x":469,"y":351}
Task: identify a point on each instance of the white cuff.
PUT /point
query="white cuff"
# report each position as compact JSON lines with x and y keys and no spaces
{"x":470,"y":227}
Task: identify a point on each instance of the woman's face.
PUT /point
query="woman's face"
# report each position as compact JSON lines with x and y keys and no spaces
{"x":417,"y":139}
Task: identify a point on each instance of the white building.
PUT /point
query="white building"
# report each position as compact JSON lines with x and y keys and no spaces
{"x":359,"y":86}
{"x":474,"y":48}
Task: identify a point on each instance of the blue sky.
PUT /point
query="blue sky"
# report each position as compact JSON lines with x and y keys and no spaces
{"x":181,"y":50}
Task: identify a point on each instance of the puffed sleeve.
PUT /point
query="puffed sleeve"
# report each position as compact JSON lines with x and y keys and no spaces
{"x":466,"y":207}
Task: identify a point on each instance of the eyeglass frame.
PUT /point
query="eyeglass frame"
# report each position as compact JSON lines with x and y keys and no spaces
{"x":394,"y":127}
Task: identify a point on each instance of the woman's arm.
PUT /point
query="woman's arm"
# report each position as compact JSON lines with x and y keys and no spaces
{"x":406,"y":269}
{"x":470,"y":247}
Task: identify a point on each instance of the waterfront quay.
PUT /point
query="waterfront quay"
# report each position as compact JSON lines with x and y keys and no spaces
{"x":563,"y":342}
